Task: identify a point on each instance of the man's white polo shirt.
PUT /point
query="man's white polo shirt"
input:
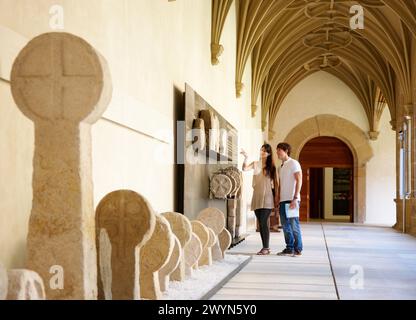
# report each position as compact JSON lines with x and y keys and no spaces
{"x":287,"y":179}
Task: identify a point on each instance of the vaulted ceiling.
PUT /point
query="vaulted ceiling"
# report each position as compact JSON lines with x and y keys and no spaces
{"x":289,"y":40}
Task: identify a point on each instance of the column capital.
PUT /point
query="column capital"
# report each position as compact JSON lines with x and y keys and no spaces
{"x":263,"y":124}
{"x":373,"y":135}
{"x":253,"y":110}
{"x":216,"y":51}
{"x":239,"y":87}
{"x":393,"y":124}
{"x":408,"y":110}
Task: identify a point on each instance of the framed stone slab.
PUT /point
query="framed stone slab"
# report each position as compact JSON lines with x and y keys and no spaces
{"x":223,"y":143}
{"x":193,"y":252}
{"x":170,"y":266}
{"x":129,"y":222}
{"x":25,"y":285}
{"x":198,"y":135}
{"x":63,"y":85}
{"x":3,"y":283}
{"x":215,"y":133}
{"x":208,"y":117}
{"x":182,"y":228}
{"x":154,"y":255}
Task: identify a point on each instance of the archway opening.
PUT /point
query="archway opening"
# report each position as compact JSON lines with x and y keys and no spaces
{"x":328,"y":180}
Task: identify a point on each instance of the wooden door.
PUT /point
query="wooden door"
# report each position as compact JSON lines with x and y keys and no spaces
{"x":322,"y":152}
{"x":352,"y":197}
{"x":305,"y":195}
{"x":316,"y":193}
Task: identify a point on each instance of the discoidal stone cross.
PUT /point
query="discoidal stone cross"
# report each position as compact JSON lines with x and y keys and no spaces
{"x":63,"y":85}
{"x":125,"y":222}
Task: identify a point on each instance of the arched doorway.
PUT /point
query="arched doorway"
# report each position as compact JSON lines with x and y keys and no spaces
{"x":328,"y":180}
{"x":327,"y":125}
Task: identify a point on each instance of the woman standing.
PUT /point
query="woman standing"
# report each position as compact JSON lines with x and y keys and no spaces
{"x":265,"y":193}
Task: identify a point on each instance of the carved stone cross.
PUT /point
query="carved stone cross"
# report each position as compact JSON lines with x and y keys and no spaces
{"x":63,"y":85}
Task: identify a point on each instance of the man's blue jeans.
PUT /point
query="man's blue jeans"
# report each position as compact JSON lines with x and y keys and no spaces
{"x":291,"y":230}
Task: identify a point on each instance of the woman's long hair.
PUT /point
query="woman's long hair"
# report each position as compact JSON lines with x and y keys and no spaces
{"x":270,"y":167}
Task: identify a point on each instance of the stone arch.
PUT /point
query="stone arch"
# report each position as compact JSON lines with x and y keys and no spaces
{"x":355,"y":138}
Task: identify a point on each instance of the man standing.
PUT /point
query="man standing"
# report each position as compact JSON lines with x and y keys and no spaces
{"x":290,"y":174}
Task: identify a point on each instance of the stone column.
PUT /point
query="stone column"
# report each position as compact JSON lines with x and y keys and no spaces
{"x":409,"y":110}
{"x":360,"y":186}
{"x":395,"y":125}
{"x":63,"y":85}
{"x":411,"y":205}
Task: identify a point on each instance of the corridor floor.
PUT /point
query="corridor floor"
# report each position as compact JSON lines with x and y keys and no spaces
{"x":340,"y":261}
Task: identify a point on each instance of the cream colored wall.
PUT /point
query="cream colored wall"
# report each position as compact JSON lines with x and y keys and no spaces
{"x":16,"y":135}
{"x":381,"y":177}
{"x":322,"y":93}
{"x":16,"y":150}
{"x":152,"y":48}
{"x":252,"y":139}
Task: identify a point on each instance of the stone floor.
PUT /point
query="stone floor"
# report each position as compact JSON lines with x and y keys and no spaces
{"x":340,"y":261}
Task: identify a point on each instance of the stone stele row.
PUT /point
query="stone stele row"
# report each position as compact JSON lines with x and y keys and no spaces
{"x":121,"y":250}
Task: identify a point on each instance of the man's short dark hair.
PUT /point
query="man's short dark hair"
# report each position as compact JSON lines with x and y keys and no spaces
{"x":285,"y":147}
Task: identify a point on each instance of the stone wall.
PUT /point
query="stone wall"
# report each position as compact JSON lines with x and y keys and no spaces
{"x":152,"y":48}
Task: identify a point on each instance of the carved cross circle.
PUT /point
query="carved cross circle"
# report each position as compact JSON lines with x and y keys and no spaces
{"x":58,"y":76}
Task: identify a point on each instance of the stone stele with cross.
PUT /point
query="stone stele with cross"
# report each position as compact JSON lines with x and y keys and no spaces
{"x":63,"y":85}
{"x":130,"y":221}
